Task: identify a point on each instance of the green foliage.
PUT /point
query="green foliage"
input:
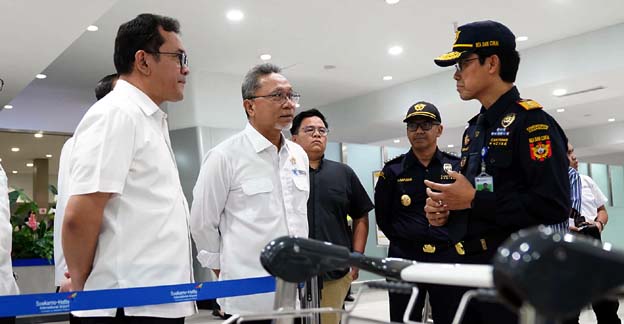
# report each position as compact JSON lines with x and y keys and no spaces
{"x":30,"y":243}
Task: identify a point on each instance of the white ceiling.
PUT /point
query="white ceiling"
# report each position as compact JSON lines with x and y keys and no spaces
{"x":302,"y":35}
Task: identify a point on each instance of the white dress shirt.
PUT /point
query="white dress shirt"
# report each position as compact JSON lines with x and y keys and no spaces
{"x":247,"y":194}
{"x":592,"y":198}
{"x":7,"y":282}
{"x":60,"y":266}
{"x":122,"y":146}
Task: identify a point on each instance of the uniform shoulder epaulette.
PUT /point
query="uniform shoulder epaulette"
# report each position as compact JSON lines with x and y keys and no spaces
{"x":395,"y":159}
{"x":529,"y":104}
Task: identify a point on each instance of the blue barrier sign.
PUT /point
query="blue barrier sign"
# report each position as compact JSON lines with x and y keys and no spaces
{"x":32,"y":304}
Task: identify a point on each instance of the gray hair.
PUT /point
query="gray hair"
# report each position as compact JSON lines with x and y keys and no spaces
{"x":251,"y":82}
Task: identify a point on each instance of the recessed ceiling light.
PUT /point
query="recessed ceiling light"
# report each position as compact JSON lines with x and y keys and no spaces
{"x":561,"y":110}
{"x":15,"y":149}
{"x":235,"y":15}
{"x":391,"y":2}
{"x":38,"y":135}
{"x":92,"y":28}
{"x":559,"y":92}
{"x":397,"y":140}
{"x":265,"y":57}
{"x":0,"y":159}
{"x":14,"y":171}
{"x":450,"y":146}
{"x":387,"y":78}
{"x":48,"y":155}
{"x":41,"y":76}
{"x":297,"y":105}
{"x":395,"y":50}
{"x":611,"y":120}
{"x":8,"y":106}
{"x":30,"y":164}
{"x":522,"y":38}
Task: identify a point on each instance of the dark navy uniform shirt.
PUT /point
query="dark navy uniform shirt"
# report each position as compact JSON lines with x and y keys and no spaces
{"x":335,"y":192}
{"x":526,"y":156}
{"x":402,"y":176}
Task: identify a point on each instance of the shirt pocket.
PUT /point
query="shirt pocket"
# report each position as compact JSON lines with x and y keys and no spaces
{"x":301,"y":183}
{"x":257,"y":186}
{"x":500,"y":159}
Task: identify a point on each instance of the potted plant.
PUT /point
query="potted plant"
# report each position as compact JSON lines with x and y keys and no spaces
{"x":33,"y":243}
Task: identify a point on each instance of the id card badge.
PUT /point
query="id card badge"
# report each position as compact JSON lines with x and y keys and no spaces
{"x":484,"y":182}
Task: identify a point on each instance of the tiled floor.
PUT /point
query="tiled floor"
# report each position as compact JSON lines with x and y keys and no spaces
{"x":373,"y":304}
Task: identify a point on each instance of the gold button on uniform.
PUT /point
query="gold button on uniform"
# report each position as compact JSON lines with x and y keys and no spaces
{"x":406,"y":200}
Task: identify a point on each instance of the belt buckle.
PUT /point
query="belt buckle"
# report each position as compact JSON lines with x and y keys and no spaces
{"x":459,"y":248}
{"x":428,"y":248}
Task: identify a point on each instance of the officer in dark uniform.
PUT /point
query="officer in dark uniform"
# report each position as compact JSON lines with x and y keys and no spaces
{"x":513,"y":165}
{"x":399,"y":207}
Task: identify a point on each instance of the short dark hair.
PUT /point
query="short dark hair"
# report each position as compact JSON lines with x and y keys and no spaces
{"x":105,"y":85}
{"x":509,"y":61}
{"x":140,"y":33}
{"x":294,"y":129}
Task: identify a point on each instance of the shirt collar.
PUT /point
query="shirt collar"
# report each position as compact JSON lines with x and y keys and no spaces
{"x":138,"y":97}
{"x":259,"y":142}
{"x":501,"y":105}
{"x":411,"y":159}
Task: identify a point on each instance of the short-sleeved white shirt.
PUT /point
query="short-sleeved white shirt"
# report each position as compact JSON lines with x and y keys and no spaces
{"x":591,"y":198}
{"x":248,"y":193}
{"x":122,"y":146}
{"x":7,"y":282}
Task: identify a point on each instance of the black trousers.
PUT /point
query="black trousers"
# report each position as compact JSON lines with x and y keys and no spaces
{"x":443,"y":299}
{"x":121,"y":318}
{"x":7,"y":320}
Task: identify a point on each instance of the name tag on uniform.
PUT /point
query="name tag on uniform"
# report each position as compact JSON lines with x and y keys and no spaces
{"x":298,"y":172}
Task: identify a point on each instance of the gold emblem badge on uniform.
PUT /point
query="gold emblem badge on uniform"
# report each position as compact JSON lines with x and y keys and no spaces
{"x":406,"y":200}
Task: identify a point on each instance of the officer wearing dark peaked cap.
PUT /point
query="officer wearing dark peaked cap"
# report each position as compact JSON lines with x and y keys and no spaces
{"x":399,"y":201}
{"x":513,"y":156}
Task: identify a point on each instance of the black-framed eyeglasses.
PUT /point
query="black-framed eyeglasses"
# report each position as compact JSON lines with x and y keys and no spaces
{"x":424,"y":125}
{"x":280,"y":97}
{"x":182,"y":57}
{"x":310,"y":130}
{"x":461,"y":64}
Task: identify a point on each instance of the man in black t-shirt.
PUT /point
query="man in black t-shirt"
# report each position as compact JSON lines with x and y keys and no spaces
{"x":335,"y":192}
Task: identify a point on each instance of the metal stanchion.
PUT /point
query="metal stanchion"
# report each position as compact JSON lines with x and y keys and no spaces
{"x":285,"y":299}
{"x":310,"y":300}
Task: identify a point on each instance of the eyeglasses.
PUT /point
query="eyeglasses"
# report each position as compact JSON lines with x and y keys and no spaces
{"x":182,"y":57}
{"x":280,"y":98}
{"x":424,"y":125}
{"x":310,"y":130}
{"x":461,"y":64}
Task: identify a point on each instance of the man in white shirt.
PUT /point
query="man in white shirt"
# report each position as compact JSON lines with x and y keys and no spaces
{"x":7,"y":282}
{"x":593,"y":210}
{"x":126,"y":221}
{"x":252,"y":188}
{"x":104,"y":86}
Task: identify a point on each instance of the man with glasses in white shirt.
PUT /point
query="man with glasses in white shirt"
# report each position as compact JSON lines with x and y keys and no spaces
{"x":252,"y":188}
{"x":126,"y":221}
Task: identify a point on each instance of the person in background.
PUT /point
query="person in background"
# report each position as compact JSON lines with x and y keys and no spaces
{"x":7,"y":281}
{"x":335,"y":192}
{"x":594,"y":219}
{"x":400,"y":197}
